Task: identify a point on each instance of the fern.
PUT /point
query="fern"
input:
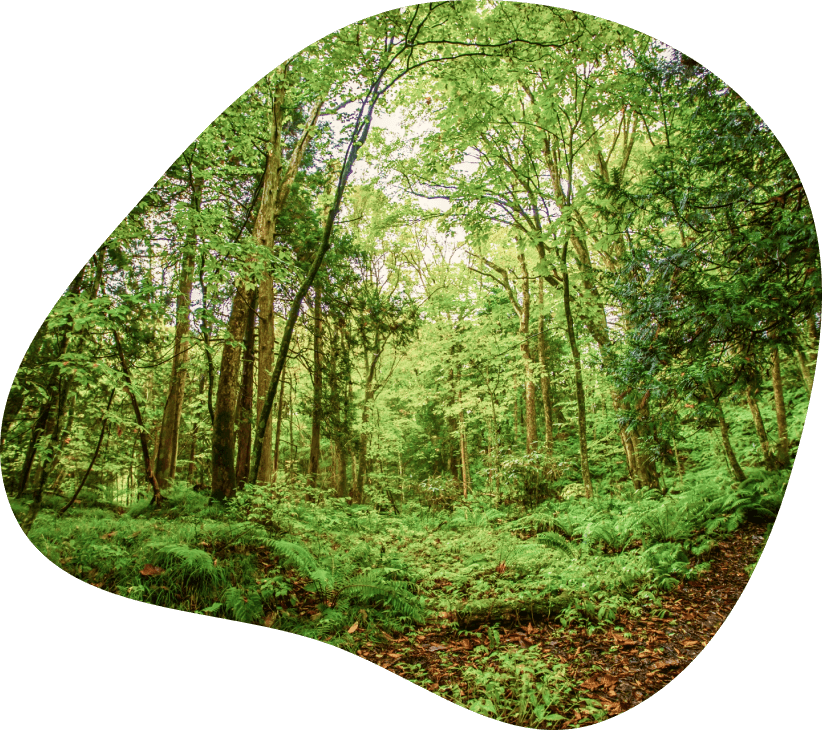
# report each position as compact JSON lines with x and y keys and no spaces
{"x":556,"y":541}
{"x":245,"y":607}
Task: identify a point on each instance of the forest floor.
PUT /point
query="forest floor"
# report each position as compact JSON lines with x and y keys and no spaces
{"x":615,"y":669}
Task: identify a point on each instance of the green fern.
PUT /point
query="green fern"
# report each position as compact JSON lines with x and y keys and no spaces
{"x":244,"y":606}
{"x":557,"y":542}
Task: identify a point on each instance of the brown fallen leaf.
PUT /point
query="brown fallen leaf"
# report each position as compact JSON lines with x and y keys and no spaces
{"x":664,"y":663}
{"x":690,"y":643}
{"x":353,"y":627}
{"x":149,"y":570}
{"x":108,"y":535}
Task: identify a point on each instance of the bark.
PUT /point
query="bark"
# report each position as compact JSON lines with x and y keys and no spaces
{"x":783,"y":446}
{"x":44,"y":421}
{"x":19,"y":389}
{"x":466,"y":475}
{"x":277,"y":181}
{"x":645,"y":461}
{"x":733,"y":463}
{"x":452,"y":428}
{"x":50,"y":457}
{"x":802,"y":361}
{"x":94,"y":455}
{"x":580,"y":391}
{"x":194,"y":431}
{"x":316,"y":408}
{"x":166,"y":461}
{"x":156,"y":496}
{"x":759,"y":426}
{"x":545,"y":379}
{"x":245,"y":400}
{"x":273,"y":476}
{"x":223,"y":473}
{"x":531,"y":438}
{"x":264,"y":367}
{"x":371,"y":368}
{"x":524,"y":312}
{"x":364,"y":124}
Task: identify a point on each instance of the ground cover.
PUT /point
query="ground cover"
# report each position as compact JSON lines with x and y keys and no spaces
{"x":553,"y":617}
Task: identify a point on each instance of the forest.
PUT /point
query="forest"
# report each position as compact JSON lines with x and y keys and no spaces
{"x":476,"y":339}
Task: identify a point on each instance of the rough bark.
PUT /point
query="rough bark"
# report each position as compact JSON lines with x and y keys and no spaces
{"x":531,"y":438}
{"x":273,"y":473}
{"x":223,"y":473}
{"x":245,"y":400}
{"x":277,"y":181}
{"x":783,"y":445}
{"x":802,"y":361}
{"x":166,"y":461}
{"x":733,"y":463}
{"x":759,"y":426}
{"x":580,"y":391}
{"x":466,"y":475}
{"x":156,"y":495}
{"x":317,"y":385}
{"x":264,"y":368}
{"x":545,"y":378}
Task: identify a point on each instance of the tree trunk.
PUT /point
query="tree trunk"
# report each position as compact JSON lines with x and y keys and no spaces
{"x":19,"y":388}
{"x":44,"y":421}
{"x":316,"y":407}
{"x":264,"y":368}
{"x":580,"y":391}
{"x":802,"y":361}
{"x":466,"y":475}
{"x":545,"y":379}
{"x":156,"y":495}
{"x":223,"y":474}
{"x":759,"y":426}
{"x":276,"y":186}
{"x":531,"y":438}
{"x":245,"y":400}
{"x":783,"y":447}
{"x":50,"y":457}
{"x":166,"y":461}
{"x":273,"y":476}
{"x":733,"y":463}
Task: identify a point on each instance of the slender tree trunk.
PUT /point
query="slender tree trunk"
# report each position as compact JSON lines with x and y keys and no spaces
{"x":245,"y":400}
{"x":759,"y":426}
{"x":44,"y":417}
{"x":801,"y":360}
{"x":141,"y":430}
{"x":733,"y":463}
{"x":359,"y":494}
{"x":316,"y":408}
{"x":580,"y":391}
{"x":783,"y":447}
{"x":194,"y":430}
{"x":466,"y":474}
{"x":166,"y":461}
{"x":531,"y":438}
{"x":19,"y":389}
{"x":645,"y":460}
{"x":50,"y":458}
{"x":94,"y":455}
{"x":273,"y":476}
{"x":266,"y":362}
{"x":545,"y":378}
